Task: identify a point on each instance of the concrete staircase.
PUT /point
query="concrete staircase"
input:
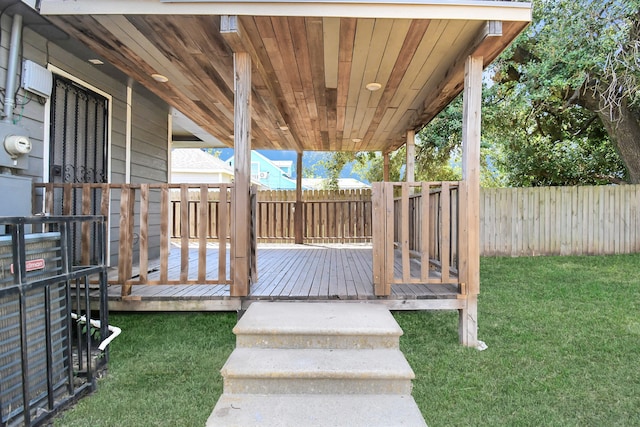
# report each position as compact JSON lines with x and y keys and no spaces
{"x":316,"y":364}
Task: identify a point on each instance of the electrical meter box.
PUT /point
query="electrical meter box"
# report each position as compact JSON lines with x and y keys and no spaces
{"x":15,"y":146}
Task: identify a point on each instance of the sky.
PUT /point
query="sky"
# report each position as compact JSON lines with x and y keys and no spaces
{"x":309,"y":159}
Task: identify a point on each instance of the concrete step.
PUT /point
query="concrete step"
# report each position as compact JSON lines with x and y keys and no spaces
{"x":315,"y":411}
{"x":317,"y":371}
{"x":317,"y":325}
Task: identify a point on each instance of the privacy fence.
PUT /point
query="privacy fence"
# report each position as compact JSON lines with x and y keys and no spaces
{"x":342,"y":216}
{"x":560,"y":220}
{"x":513,"y":221}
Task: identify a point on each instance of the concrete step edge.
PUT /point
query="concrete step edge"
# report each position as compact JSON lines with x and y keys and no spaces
{"x":316,"y":410}
{"x":317,"y":363}
{"x":309,"y":341}
{"x":271,"y":318}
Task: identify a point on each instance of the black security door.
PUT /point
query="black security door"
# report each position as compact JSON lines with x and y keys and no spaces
{"x":78,"y":151}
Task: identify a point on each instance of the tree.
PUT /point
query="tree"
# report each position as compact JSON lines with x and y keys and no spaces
{"x":333,"y":166}
{"x":565,"y":108}
{"x":438,"y":150}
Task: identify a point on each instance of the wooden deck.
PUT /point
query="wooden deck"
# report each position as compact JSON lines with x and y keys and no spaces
{"x":289,"y":273}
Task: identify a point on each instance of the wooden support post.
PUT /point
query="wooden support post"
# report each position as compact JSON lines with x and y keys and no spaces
{"x":378,"y":238}
{"x":411,"y":156}
{"x":242,"y":173}
{"x":385,"y":167}
{"x":469,"y":212}
{"x":298,"y":226}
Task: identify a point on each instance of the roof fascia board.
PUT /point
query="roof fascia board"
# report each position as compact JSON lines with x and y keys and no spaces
{"x":402,"y":9}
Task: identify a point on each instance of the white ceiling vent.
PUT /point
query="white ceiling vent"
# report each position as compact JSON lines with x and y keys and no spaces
{"x":36,"y":79}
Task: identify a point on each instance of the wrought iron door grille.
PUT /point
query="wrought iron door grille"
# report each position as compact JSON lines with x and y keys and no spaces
{"x":79,"y":149}
{"x":79,"y":134}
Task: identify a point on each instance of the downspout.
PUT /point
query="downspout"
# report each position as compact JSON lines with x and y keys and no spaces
{"x":115,"y":331}
{"x":12,"y":69}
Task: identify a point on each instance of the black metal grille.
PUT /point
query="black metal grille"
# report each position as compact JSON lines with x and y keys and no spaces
{"x":47,"y":359}
{"x":79,"y":149}
{"x":78,"y":134}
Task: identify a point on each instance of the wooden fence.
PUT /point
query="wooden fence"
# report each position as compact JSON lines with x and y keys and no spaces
{"x":513,"y":221}
{"x":342,"y":216}
{"x":560,"y":220}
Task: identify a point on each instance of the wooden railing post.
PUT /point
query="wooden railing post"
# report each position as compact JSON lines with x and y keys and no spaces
{"x":185,"y":228}
{"x":378,"y":221}
{"x":144,"y":232}
{"x":298,"y":225}
{"x":253,"y":251}
{"x":164,"y":233}
{"x":223,"y":224}
{"x":125,"y":253}
{"x":203,"y":222}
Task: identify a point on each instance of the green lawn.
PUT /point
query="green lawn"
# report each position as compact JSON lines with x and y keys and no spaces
{"x":564,"y":349}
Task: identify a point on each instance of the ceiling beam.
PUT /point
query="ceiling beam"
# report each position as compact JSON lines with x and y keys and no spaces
{"x":398,"y":9}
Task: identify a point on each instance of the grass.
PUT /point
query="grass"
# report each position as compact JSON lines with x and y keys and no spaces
{"x":564,"y":350}
{"x":163,"y":371}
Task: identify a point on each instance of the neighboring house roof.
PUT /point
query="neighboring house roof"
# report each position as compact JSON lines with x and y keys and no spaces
{"x":285,"y":165}
{"x":196,"y":160}
{"x":343,"y":183}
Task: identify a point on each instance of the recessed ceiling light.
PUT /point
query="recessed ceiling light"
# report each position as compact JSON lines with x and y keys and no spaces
{"x":374,"y":86}
{"x":96,"y":61}
{"x":356,"y":140}
{"x":282,"y":126}
{"x":160,"y":78}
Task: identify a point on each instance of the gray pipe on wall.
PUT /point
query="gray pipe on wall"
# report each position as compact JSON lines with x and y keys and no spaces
{"x":12,"y":68}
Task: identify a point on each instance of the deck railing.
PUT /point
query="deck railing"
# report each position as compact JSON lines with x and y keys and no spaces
{"x":415,"y":221}
{"x":141,"y":217}
{"x":328,"y":216}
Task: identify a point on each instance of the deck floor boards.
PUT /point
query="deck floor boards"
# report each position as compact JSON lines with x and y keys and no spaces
{"x":290,"y":272}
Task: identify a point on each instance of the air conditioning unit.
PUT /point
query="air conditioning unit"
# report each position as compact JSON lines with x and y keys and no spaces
{"x":263,"y":175}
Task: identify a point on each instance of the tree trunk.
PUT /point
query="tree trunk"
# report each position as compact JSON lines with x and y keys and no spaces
{"x":623,"y":126}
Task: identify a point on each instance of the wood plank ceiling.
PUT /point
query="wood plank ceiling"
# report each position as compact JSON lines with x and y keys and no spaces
{"x":309,"y":73}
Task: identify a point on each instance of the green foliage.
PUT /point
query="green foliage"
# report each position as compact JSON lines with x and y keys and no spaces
{"x":333,"y":165}
{"x":438,"y":144}
{"x":438,"y":150}
{"x":536,"y":145}
{"x":539,"y":114}
{"x":215,"y":153}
